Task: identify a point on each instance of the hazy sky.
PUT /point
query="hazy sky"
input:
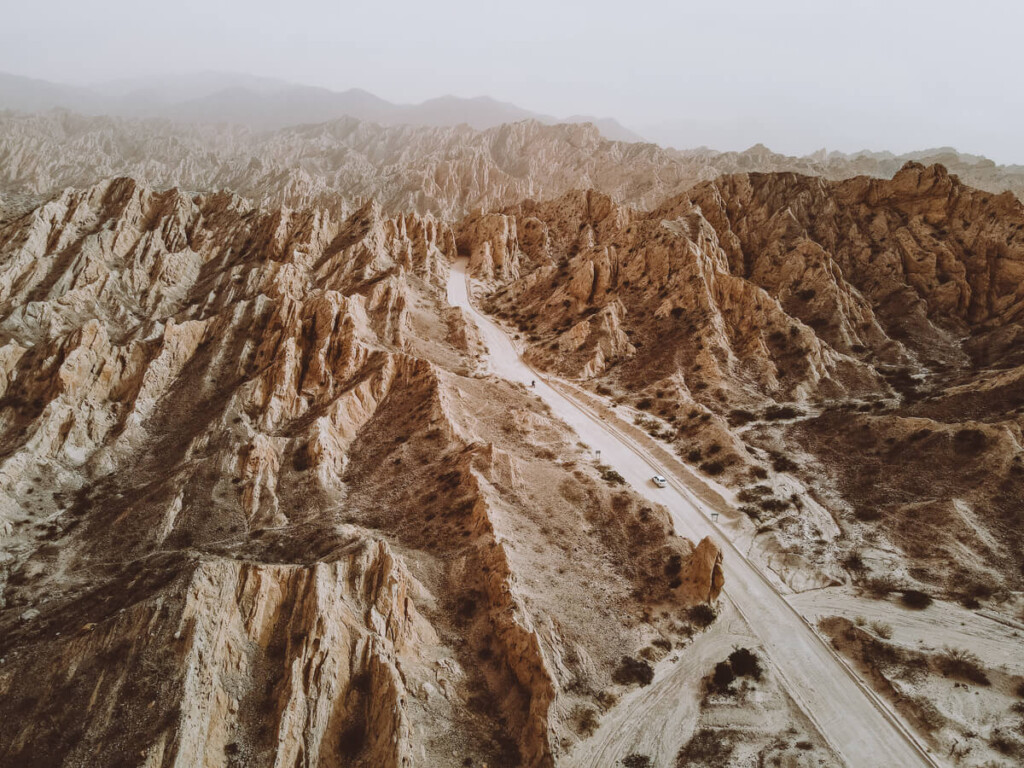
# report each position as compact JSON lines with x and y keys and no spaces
{"x":796,"y":75}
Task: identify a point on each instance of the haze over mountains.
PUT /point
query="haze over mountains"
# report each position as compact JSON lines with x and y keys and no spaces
{"x":266,"y":103}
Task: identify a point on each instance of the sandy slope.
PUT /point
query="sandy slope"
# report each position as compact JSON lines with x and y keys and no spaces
{"x":860,"y":732}
{"x":942,"y":623}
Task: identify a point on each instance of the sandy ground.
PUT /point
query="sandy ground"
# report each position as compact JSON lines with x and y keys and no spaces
{"x":963,"y":718}
{"x":853,"y":722}
{"x":941,"y":624}
{"x":656,"y":721}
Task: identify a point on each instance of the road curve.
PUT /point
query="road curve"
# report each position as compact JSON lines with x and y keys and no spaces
{"x":851,"y":719}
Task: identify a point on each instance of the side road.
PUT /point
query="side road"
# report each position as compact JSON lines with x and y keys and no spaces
{"x":854,"y":722}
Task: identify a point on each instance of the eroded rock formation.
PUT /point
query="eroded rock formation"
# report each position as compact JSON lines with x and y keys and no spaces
{"x":258,"y":506}
{"x":755,"y":315}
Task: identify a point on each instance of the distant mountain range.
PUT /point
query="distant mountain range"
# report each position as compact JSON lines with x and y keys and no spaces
{"x":267,"y":104}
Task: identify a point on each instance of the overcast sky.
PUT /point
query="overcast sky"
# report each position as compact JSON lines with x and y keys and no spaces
{"x":796,"y":75}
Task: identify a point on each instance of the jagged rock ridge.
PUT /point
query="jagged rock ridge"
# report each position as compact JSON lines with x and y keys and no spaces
{"x":446,"y":171}
{"x":257,"y":505}
{"x":868,"y":328}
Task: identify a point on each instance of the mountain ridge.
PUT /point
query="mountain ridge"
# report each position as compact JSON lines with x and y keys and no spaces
{"x":267,"y":104}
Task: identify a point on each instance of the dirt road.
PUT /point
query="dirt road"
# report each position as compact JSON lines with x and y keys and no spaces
{"x":855,"y":725}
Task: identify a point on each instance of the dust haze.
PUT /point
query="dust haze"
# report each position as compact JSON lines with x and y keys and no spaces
{"x":796,"y":76}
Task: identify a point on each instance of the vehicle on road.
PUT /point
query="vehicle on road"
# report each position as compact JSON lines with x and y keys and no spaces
{"x":659,"y":481}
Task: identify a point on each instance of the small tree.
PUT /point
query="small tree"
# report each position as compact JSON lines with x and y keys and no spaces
{"x":745,"y":663}
{"x":723,"y":676}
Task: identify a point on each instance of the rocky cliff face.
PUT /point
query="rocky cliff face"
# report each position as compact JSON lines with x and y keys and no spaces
{"x":258,"y":507}
{"x":749,"y":314}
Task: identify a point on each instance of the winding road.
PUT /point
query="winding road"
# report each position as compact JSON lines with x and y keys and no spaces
{"x":850,"y":717}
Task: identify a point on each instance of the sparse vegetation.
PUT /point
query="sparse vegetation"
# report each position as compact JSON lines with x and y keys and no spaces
{"x":781,"y":412}
{"x":708,"y":747}
{"x":738,"y":417}
{"x":880,"y":586}
{"x":610,"y":476}
{"x":916,"y":599}
{"x":712,"y":468}
{"x":632,"y":671}
{"x":702,"y":615}
{"x":745,"y":663}
{"x":585,"y":720}
{"x":882,"y":629}
{"x":782,"y":463}
{"x":957,"y":662}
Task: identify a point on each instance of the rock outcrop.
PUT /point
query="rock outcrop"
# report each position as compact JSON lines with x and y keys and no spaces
{"x":702,"y":578}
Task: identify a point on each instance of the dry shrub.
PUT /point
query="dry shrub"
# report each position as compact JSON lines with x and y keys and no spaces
{"x":745,"y":663}
{"x":780,"y":412}
{"x":708,"y":747}
{"x":880,"y":586}
{"x":1006,"y":743}
{"x":753,"y":494}
{"x":585,"y":720}
{"x":702,"y":615}
{"x":958,"y":662}
{"x":882,"y":629}
{"x":782,"y":463}
{"x":722,"y":677}
{"x":633,"y":671}
{"x":853,"y":562}
{"x":612,"y":477}
{"x":916,"y":599}
{"x":738,"y":417}
{"x":751,"y":511}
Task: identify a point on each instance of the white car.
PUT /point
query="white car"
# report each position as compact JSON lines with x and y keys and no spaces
{"x":659,"y":481}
